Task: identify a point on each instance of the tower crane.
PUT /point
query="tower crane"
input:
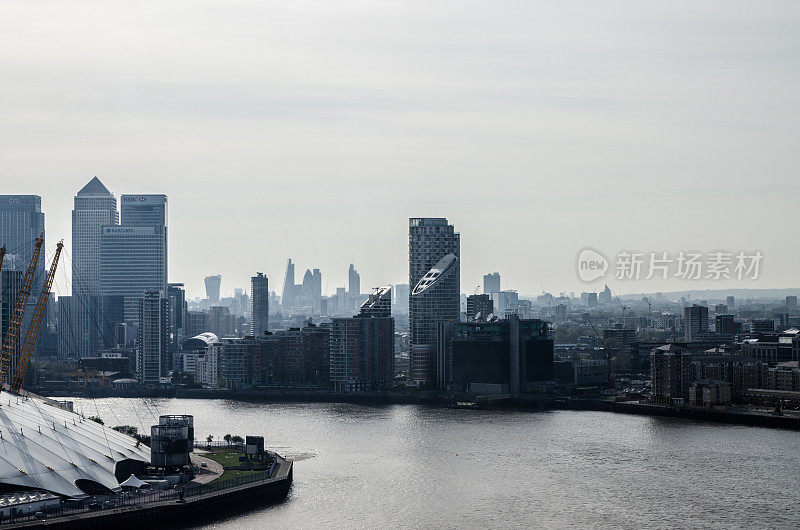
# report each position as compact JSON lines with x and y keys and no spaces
{"x":649,"y":310}
{"x":36,"y":322}
{"x":607,"y":351}
{"x":10,"y":341}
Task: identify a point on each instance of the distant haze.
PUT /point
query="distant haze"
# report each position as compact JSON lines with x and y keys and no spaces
{"x":313,"y":130}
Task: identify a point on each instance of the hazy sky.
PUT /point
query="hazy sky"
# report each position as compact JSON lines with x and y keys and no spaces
{"x":314,"y":129}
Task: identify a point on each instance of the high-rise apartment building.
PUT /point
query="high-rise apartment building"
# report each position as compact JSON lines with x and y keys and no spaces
{"x":212,"y":287}
{"x":695,"y":322}
{"x":362,"y":347}
{"x":491,"y":283}
{"x":94,"y":207}
{"x":178,"y":309}
{"x":153,"y":356}
{"x":791,"y":303}
{"x":133,"y":255}
{"x":724,"y":325}
{"x":434,"y":272}
{"x":379,"y":303}
{"x":479,"y":306}
{"x":259,"y":300}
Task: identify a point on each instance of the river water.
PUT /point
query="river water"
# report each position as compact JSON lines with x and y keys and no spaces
{"x":409,"y":466}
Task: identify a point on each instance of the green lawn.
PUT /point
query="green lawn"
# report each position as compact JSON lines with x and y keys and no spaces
{"x":228,"y":458}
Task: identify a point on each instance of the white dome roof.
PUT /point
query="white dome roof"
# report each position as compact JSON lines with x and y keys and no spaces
{"x":48,"y":448}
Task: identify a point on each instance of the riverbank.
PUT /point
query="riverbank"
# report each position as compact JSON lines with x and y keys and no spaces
{"x":199,"y":509}
{"x":731,"y":416}
{"x":436,"y":399}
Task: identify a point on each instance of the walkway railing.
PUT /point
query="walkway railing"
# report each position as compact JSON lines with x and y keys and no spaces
{"x":135,"y":498}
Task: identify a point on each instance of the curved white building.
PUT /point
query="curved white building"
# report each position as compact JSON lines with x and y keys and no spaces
{"x":46,"y":447}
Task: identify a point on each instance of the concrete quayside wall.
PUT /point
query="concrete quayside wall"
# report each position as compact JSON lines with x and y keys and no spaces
{"x":196,"y":509}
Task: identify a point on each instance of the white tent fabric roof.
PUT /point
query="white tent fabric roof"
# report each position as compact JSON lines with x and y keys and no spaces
{"x":133,"y":482}
{"x":45,"y":447}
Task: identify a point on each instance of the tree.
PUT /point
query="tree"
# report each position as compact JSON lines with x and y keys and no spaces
{"x":97,"y":419}
{"x":209,"y":438}
{"x":227,"y":438}
{"x":130,"y":430}
{"x":237,"y":439}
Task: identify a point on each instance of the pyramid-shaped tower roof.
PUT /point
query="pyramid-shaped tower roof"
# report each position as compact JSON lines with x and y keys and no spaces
{"x":94,"y":187}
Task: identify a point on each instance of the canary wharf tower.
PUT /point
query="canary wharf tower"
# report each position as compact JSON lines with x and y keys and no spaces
{"x":434,"y":273}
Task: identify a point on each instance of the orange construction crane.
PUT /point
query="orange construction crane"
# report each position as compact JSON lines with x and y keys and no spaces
{"x":36,"y":322}
{"x":10,"y":341}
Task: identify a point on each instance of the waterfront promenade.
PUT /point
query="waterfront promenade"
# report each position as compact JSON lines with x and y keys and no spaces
{"x":198,"y":503}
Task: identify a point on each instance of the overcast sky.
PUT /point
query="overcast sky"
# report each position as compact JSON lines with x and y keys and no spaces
{"x":314,"y":129}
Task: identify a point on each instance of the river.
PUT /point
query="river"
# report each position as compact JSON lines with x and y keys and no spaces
{"x":411,"y":466}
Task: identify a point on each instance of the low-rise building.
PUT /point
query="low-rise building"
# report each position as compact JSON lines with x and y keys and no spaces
{"x":709,"y":393}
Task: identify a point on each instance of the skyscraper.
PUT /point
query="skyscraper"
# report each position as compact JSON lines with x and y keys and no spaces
{"x":434,"y":272}
{"x":177,"y":318}
{"x":353,"y":281}
{"x":259,"y":300}
{"x":133,"y":255}
{"x":21,"y":222}
{"x":289,"y":289}
{"x":153,"y":355}
{"x":94,"y":207}
{"x":212,"y":287}
{"x":695,"y":322}
{"x":491,"y":283}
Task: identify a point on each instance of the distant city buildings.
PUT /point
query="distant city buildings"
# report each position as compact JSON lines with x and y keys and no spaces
{"x":213,"y":284}
{"x":353,"y":281}
{"x":762,"y":325}
{"x":491,"y":283}
{"x":401,"y":295}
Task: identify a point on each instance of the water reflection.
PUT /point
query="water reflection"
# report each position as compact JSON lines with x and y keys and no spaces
{"x":409,"y":466}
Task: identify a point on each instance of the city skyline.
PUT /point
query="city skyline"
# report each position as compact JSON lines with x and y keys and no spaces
{"x":197,"y":287}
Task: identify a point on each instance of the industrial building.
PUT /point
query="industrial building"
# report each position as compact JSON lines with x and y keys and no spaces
{"x":506,"y":356}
